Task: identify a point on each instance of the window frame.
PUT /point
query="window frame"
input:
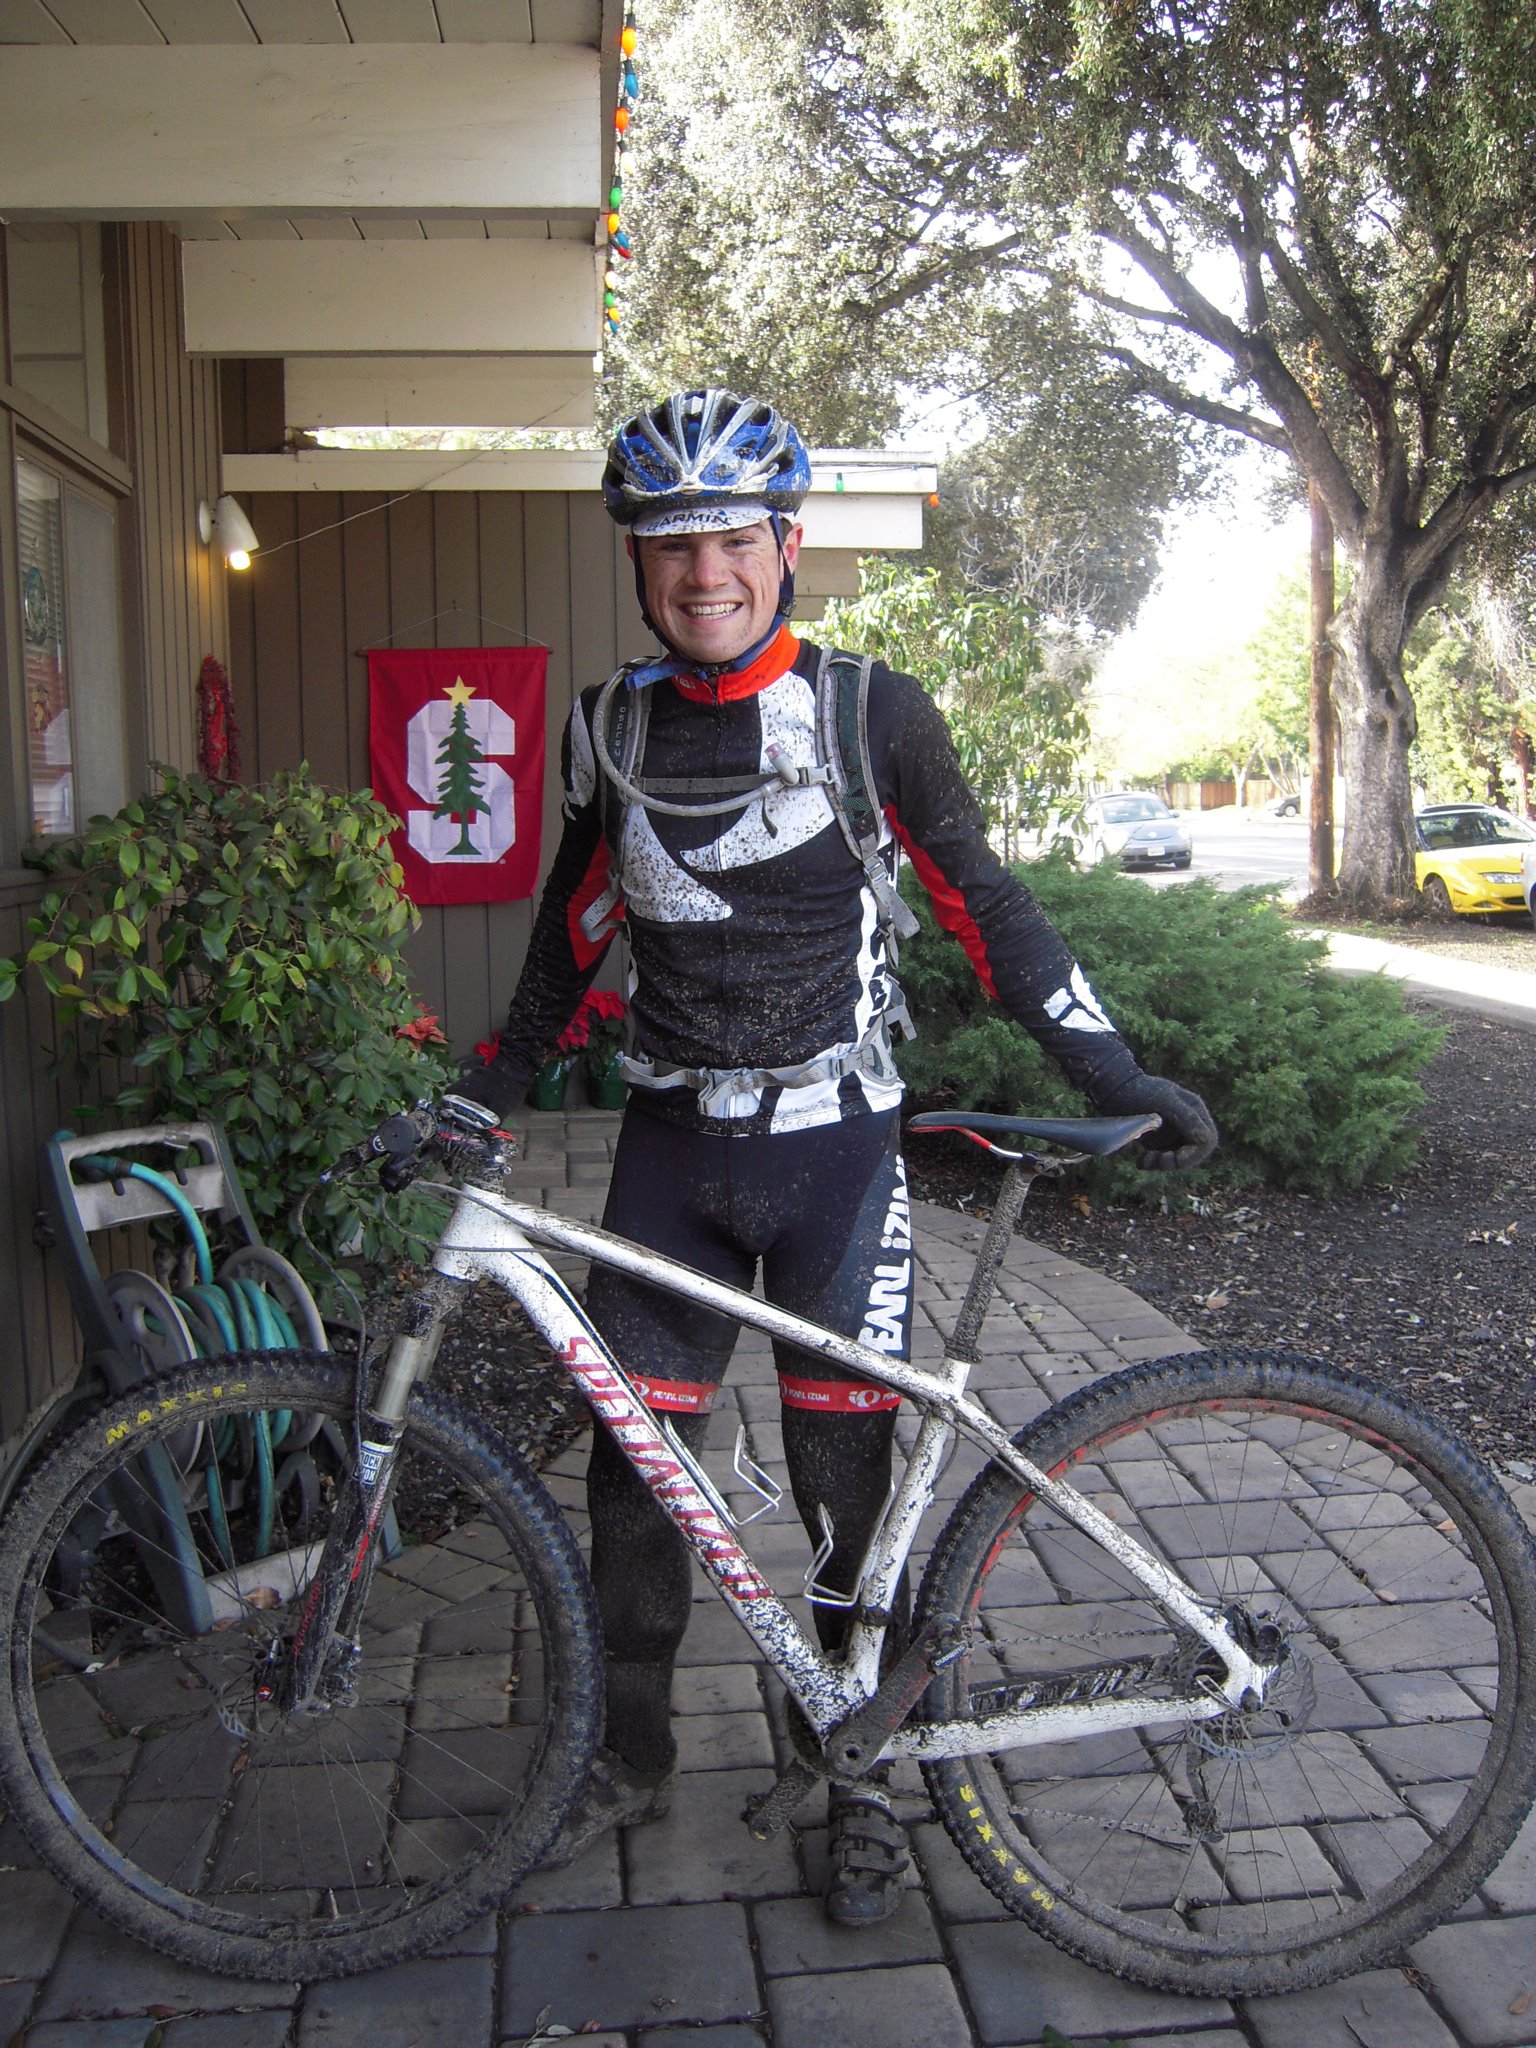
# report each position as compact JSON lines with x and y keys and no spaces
{"x":30,"y":428}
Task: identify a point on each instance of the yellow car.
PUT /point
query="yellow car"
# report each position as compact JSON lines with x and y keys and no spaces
{"x":1468,"y":858}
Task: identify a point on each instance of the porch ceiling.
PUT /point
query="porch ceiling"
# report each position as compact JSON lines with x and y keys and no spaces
{"x":156,"y":23}
{"x":288,"y":130}
{"x":386,"y":129}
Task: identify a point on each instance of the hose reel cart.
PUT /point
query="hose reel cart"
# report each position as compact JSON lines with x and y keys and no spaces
{"x":220,"y":1515}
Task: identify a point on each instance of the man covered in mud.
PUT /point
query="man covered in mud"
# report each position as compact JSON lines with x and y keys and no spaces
{"x":738,"y":803}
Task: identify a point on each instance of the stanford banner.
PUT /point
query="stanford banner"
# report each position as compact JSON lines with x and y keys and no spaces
{"x":456,"y":737}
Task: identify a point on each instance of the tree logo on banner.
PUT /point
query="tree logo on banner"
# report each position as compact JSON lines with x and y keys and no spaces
{"x":449,"y":743}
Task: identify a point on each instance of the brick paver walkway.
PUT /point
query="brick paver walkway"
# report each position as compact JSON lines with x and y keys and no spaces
{"x":687,"y":1933}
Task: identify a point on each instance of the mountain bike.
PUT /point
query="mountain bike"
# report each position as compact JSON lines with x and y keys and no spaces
{"x":1221,"y":1672}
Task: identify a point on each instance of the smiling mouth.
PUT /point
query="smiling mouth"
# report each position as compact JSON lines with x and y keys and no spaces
{"x":711,"y":611}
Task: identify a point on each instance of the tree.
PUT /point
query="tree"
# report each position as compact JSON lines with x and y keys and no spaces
{"x":1014,"y":714}
{"x":460,"y":788}
{"x":738,"y":280}
{"x":1310,"y":227}
{"x":1471,"y":668}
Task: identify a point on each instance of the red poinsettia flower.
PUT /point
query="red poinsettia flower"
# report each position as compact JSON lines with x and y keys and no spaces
{"x":423,"y":1029}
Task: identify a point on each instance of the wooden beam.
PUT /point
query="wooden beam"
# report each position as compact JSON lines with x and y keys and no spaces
{"x":139,"y":133}
{"x":441,"y":391}
{"x":853,"y":520}
{"x":390,"y":298}
{"x":846,"y":523}
{"x":827,"y":572}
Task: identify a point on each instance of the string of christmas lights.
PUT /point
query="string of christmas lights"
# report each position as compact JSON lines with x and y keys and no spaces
{"x":619,"y":250}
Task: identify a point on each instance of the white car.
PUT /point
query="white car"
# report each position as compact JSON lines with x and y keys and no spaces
{"x":1136,"y":828}
{"x":1528,"y":879}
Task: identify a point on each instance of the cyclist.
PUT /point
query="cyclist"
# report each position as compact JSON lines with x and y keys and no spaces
{"x":762,"y":1123}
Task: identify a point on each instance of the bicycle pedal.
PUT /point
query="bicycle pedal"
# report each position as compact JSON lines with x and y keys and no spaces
{"x":769,"y":1812}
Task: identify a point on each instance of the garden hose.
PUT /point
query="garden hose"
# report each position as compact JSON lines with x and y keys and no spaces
{"x":232,"y":1313}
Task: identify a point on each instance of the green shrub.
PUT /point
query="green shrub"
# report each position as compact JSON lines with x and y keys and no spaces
{"x":233,"y":953}
{"x":1310,"y":1077}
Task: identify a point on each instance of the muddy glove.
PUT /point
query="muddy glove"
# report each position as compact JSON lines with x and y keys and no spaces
{"x":1188,"y":1136}
{"x":496,"y":1084}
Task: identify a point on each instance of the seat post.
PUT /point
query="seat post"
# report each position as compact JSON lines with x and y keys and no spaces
{"x":1005,"y":1215}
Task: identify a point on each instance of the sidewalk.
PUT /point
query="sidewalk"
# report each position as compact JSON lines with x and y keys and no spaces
{"x":688,"y":1934}
{"x":1507,"y":993}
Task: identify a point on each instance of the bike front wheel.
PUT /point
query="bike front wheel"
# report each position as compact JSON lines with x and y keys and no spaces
{"x":1393,"y":1755}
{"x":153,"y":1568}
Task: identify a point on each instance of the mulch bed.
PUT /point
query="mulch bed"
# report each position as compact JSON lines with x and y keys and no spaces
{"x":1428,"y":1282}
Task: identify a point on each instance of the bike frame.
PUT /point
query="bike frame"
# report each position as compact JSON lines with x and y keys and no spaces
{"x":493,"y":1236}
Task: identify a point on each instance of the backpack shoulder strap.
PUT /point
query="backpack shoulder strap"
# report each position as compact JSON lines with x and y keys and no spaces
{"x":619,"y":721}
{"x":842,"y":742}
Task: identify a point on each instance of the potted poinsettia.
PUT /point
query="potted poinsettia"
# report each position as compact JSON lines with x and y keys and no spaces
{"x":591,"y":1042}
{"x":602,"y":1010}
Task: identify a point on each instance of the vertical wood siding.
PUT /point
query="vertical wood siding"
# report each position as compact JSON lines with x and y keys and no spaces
{"x":174,"y":614}
{"x":172,"y":421}
{"x":497,"y":566}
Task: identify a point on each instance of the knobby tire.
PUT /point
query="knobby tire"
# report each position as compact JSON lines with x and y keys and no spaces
{"x":1395,"y":1756}
{"x":153,"y":1779}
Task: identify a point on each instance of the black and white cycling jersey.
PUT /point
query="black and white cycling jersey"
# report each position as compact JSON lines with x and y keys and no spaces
{"x":755,"y":940}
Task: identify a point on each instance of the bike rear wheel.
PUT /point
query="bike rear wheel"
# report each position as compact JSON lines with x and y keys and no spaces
{"x":1394,"y":1756}
{"x":154,"y":1770}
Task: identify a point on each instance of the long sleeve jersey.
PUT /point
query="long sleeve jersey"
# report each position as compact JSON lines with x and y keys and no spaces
{"x":755,"y":940}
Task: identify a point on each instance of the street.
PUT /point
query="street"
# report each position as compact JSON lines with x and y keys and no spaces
{"x":1234,"y":847}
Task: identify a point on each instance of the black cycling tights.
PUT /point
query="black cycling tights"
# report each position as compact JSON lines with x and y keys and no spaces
{"x":826,"y":1212}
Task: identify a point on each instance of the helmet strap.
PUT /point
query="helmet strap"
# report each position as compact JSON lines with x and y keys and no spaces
{"x":786,"y":574}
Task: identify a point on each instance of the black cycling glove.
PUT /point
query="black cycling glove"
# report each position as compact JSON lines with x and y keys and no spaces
{"x":497,"y":1084}
{"x":1189,"y":1135}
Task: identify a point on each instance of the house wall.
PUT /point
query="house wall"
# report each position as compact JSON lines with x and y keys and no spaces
{"x":173,"y":436}
{"x":339,"y":573}
{"x":163,"y":456}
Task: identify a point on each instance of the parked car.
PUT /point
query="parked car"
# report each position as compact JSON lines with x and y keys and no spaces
{"x":1473,"y":859}
{"x":1137,"y":829}
{"x":1287,"y":805}
{"x":1528,"y":878}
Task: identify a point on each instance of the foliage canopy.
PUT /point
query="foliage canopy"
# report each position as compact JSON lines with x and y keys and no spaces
{"x":1013,"y":712}
{"x":1307,"y":226}
{"x":233,"y":952}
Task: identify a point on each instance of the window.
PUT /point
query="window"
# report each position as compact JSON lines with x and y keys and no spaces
{"x":71,"y":648}
{"x":57,"y":324}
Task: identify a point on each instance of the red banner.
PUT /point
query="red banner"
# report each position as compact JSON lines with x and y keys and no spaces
{"x":456,"y":742}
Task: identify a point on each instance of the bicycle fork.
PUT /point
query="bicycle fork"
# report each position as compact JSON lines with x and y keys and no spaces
{"x":322,"y":1652}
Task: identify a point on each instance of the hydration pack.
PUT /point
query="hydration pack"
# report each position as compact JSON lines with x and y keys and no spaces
{"x":619,"y":721}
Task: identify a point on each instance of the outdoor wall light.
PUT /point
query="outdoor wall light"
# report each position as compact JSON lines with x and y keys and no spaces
{"x":228,"y":525}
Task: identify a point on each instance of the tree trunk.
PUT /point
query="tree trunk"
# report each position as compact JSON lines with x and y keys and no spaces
{"x":1376,"y":729}
{"x":1524,"y":751}
{"x":1320,"y":849}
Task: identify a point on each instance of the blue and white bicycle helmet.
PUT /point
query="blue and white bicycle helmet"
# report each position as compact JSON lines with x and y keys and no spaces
{"x":704,"y":461}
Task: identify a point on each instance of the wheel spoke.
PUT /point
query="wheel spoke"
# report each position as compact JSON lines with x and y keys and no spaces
{"x":162,"y":1774}
{"x":1380,"y":1579}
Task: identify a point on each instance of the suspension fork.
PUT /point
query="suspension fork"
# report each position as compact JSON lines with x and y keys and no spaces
{"x":333,"y":1604}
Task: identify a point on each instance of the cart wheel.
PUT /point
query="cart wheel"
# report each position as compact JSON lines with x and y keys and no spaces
{"x":159,"y":1333}
{"x":287,"y":1286}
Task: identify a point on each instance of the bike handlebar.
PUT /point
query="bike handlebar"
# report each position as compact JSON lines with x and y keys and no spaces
{"x":401,"y":1138}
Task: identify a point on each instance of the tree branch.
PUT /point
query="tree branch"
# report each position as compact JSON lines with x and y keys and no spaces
{"x":1163,"y":388}
{"x":1258,"y":361}
{"x":973,"y":256}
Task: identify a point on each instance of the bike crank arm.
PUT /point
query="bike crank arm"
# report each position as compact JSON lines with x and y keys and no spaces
{"x":853,"y":1748}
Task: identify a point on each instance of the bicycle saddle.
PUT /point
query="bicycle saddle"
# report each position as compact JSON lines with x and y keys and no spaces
{"x":1096,"y":1135}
